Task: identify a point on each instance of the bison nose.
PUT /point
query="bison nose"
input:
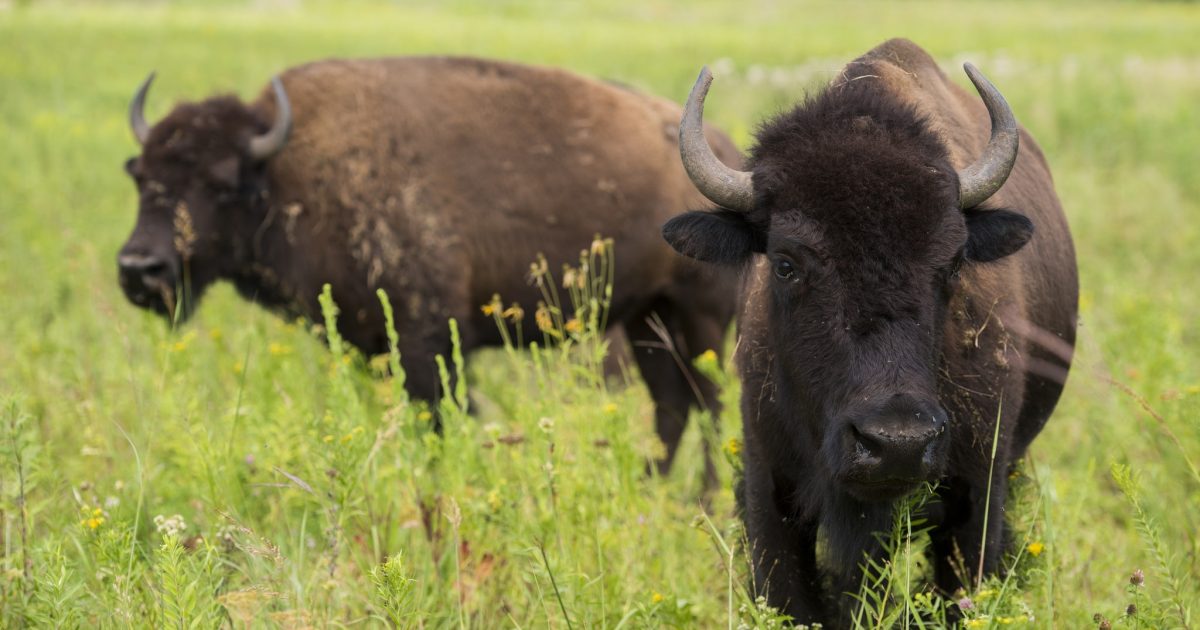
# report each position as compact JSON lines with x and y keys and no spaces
{"x":142,"y":274}
{"x":901,"y":440}
{"x":143,"y":266}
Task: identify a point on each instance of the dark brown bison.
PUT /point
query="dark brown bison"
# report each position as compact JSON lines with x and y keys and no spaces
{"x":894,"y":257}
{"x":438,"y":180}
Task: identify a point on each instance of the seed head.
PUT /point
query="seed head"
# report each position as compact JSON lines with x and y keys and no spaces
{"x":185,"y":233}
{"x":1137,"y":578}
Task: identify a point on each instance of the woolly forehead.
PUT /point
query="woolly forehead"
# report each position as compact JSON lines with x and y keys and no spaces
{"x":192,"y":131}
{"x":865,"y":182}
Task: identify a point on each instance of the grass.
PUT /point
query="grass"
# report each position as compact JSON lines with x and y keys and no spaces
{"x":239,"y":472}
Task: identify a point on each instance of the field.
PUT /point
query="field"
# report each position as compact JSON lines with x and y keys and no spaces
{"x":238,"y":472}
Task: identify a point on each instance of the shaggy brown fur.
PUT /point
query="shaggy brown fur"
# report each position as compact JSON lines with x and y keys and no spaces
{"x":872,"y":300}
{"x":438,"y":180}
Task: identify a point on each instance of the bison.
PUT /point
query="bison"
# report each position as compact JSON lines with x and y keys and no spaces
{"x":899,"y":273}
{"x":438,"y":180}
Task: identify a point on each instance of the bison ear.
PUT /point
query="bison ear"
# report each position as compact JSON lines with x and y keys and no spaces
{"x":226,"y":172}
{"x":994,"y":234}
{"x":722,"y":237}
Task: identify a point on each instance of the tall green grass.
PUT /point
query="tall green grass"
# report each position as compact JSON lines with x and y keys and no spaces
{"x":238,"y":471}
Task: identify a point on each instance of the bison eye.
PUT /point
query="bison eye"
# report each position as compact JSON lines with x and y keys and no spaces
{"x":784,"y":269}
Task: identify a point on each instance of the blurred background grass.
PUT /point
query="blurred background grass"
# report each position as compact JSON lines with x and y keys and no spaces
{"x":1110,"y":90}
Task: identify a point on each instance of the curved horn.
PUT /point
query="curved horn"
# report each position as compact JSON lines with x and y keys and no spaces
{"x":270,"y":143}
{"x":725,"y":186}
{"x":137,"y":117}
{"x":982,"y":179}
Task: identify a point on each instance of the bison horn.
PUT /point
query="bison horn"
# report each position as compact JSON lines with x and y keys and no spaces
{"x":725,"y":186}
{"x":137,"y":116}
{"x":982,"y":179}
{"x":270,"y":143}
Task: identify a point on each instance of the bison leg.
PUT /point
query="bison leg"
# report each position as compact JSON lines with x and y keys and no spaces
{"x":782,"y":548}
{"x":702,"y":334}
{"x":959,"y":542}
{"x":421,"y":379}
{"x":664,"y":346}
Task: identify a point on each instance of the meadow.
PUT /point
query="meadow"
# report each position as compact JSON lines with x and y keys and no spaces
{"x":239,"y":471}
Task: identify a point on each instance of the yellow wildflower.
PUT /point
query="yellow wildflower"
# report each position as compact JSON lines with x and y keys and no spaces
{"x":514,"y":312}
{"x":327,"y":439}
{"x":657,"y":598}
{"x":184,"y":342}
{"x":278,"y":349}
{"x":977,"y":623}
{"x":492,"y":307}
{"x":733,"y":446}
{"x":598,"y":244}
{"x":1035,"y":549}
{"x":538,"y":271}
{"x":93,"y":518}
{"x":542,"y":317}
{"x":610,"y":408}
{"x":424,"y":416}
{"x":574,"y":325}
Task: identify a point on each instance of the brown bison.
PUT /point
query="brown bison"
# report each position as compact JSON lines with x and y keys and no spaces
{"x":895,"y":263}
{"x":438,"y":180}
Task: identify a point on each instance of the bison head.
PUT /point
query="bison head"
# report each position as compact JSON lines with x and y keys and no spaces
{"x":200,"y":173}
{"x":862,"y":226}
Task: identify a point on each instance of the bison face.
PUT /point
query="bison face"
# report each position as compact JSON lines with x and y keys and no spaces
{"x":852,"y":307}
{"x":179,"y":244}
{"x":200,"y":180}
{"x":857,"y":226}
{"x":855,"y":331}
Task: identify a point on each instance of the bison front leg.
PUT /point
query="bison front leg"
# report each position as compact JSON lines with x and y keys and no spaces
{"x":422,"y":379}
{"x":664,"y":346}
{"x":782,"y":549}
{"x":973,"y":529}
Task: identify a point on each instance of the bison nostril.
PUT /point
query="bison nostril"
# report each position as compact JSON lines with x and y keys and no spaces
{"x":145,"y":266}
{"x":864,"y":445}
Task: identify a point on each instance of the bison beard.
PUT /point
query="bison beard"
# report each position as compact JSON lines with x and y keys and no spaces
{"x":438,"y":180}
{"x":884,"y":319}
